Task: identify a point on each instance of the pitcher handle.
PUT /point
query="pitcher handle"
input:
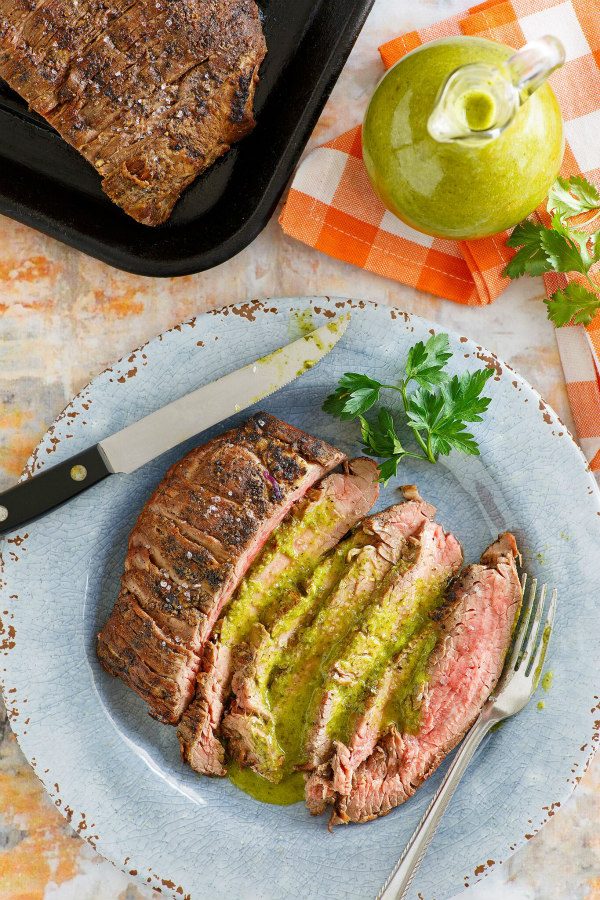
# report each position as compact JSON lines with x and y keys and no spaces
{"x":530,"y":67}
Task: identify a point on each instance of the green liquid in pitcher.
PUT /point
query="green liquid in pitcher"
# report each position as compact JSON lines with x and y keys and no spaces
{"x":479,"y":110}
{"x":456,"y":189}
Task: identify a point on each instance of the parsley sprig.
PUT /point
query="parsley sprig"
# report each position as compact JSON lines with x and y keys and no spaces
{"x":436,"y":411}
{"x":563,"y":248}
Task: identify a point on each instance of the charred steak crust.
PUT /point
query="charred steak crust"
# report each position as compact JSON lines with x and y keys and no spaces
{"x":190,"y":547}
{"x":151,"y":93}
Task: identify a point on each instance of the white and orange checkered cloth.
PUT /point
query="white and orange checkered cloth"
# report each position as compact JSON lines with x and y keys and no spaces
{"x":331,"y":205}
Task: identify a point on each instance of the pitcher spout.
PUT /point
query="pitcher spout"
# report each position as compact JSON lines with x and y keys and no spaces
{"x":478,"y":101}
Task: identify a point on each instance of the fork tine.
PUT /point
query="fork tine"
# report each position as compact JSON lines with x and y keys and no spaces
{"x":520,"y":629}
{"x":523,"y":625}
{"x":530,"y":641}
{"x":543,"y":640}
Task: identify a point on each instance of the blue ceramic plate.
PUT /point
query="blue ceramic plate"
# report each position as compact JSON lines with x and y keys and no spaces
{"x":116,"y":773}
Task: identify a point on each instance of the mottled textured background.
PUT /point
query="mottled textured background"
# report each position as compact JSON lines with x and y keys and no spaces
{"x":64,"y":317}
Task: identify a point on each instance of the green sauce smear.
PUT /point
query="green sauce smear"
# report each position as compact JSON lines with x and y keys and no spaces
{"x":290,"y":691}
{"x":382,"y":635}
{"x":303,"y":321}
{"x":257,"y":593}
{"x":403,"y":707}
{"x":547,"y":680}
{"x":538,"y":672}
{"x":289,"y":790}
{"x":330,"y":619}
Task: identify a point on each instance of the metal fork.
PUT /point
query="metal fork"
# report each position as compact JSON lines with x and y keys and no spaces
{"x":515,"y":688}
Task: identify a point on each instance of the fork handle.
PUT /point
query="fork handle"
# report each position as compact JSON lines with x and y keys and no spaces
{"x":399,"y":881}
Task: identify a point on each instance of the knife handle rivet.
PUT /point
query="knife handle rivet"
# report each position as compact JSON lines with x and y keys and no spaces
{"x":78,"y":473}
{"x":3,"y":514}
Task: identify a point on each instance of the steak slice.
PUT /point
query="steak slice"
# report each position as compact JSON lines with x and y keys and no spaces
{"x":292,"y":681}
{"x":397,"y":610}
{"x":248,"y":725}
{"x":192,"y":544}
{"x":150,"y":93}
{"x":315,"y":526}
{"x":390,"y":701}
{"x":463,"y":670}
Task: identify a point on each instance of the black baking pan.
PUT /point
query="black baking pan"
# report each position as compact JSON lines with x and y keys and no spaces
{"x":46,"y":184}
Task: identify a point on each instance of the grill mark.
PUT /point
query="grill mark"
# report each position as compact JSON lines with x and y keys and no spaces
{"x":241,"y":96}
{"x":218,"y":499}
{"x":101,"y":64}
{"x":175,"y":605}
{"x":146,"y":664}
{"x":231,"y":529}
{"x":129,"y":598}
{"x":174,"y":542}
{"x":200,"y":538}
{"x":28,"y":14}
{"x":163,"y":570}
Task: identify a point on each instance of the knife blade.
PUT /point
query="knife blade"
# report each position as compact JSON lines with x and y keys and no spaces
{"x":149,"y":437}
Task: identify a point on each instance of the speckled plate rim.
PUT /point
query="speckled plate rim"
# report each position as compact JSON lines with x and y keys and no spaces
{"x":9,"y":643}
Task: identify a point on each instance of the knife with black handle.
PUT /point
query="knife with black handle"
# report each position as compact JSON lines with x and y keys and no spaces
{"x":144,"y":440}
{"x":52,"y":487}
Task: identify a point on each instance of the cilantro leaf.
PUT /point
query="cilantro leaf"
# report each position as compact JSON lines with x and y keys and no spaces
{"x":572,"y":196}
{"x":426,"y":361}
{"x":582,"y":244}
{"x":559,"y":249}
{"x":531,"y":258}
{"x":354,"y":395}
{"x":445,"y":430}
{"x":462,"y":395}
{"x":437,"y":411}
{"x":442,"y":415}
{"x":453,"y":435}
{"x":562,"y":249}
{"x":380,"y":438}
{"x":562,"y":252}
{"x":424,"y":409}
{"x":388,"y":469}
{"x":589,"y":246}
{"x":574,"y":303}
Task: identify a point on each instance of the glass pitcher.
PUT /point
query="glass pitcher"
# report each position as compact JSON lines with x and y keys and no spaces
{"x":463,"y":137}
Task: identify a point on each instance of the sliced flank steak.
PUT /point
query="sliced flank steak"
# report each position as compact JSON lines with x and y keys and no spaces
{"x":396,"y":611}
{"x":475,"y":630}
{"x":247,"y":724}
{"x":279,"y":676}
{"x":272,"y":594}
{"x":191,"y":546}
{"x":391,"y":699}
{"x":150,"y":93}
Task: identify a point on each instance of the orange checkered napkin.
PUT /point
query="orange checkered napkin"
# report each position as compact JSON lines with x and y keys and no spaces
{"x":332,"y":207}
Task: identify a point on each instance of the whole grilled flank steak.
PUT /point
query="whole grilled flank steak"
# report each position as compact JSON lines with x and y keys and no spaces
{"x":150,"y":92}
{"x":475,"y":628}
{"x":273,"y":596}
{"x":191,"y":546}
{"x":279,"y":682}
